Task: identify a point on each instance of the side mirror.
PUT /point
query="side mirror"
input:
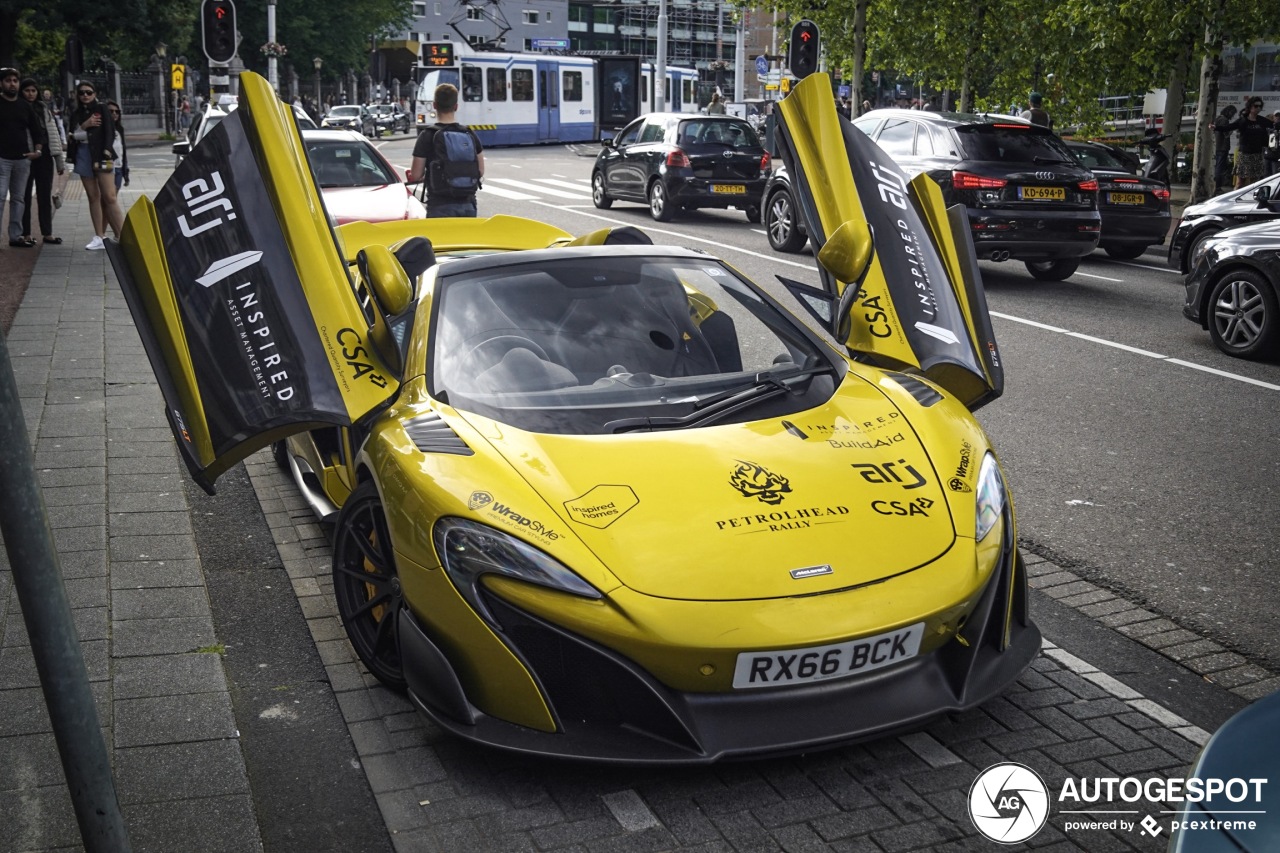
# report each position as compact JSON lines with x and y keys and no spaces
{"x":847,"y":256}
{"x":607,"y":142}
{"x":1263,"y":195}
{"x":387,"y":281}
{"x":182,"y":148}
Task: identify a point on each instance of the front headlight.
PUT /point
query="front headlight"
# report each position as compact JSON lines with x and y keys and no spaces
{"x":990,"y":500}
{"x":469,"y":550}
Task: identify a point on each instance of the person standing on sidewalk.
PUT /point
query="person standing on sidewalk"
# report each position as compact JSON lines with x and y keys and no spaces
{"x":21,"y":142}
{"x":93,"y":136}
{"x":121,"y":148}
{"x":448,"y":159}
{"x":41,"y":179}
{"x":1222,"y":149}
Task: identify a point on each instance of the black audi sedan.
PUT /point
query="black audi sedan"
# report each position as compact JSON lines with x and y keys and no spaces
{"x":1134,"y":209}
{"x":1028,"y":199}
{"x":1234,"y":289}
{"x":1201,"y":221}
{"x":677,"y":161}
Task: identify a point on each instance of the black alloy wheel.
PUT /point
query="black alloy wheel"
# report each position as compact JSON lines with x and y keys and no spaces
{"x":781,"y":225}
{"x":660,"y":206}
{"x":598,"y":196}
{"x":366,"y":585}
{"x":1058,"y":270}
{"x":1243,"y":315}
{"x":1126,"y":252}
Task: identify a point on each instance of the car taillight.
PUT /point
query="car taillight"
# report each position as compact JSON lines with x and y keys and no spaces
{"x":764,"y":162}
{"x":970,"y":181}
{"x":1161,"y":193}
{"x":1089,"y":186}
{"x":678,"y":159}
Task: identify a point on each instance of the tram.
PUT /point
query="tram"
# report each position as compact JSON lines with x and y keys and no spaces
{"x":531,"y":98}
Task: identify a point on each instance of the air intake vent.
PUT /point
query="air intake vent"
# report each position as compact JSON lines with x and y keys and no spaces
{"x":924,"y":395}
{"x":432,"y":435}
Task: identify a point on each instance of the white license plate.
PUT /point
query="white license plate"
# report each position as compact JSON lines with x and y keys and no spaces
{"x":819,"y":663}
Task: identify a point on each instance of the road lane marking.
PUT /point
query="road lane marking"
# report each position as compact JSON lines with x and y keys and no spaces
{"x":1100,"y":277}
{"x":1146,"y":267}
{"x":504,"y":193}
{"x":523,"y":185}
{"x":580,"y":187}
{"x":1137,"y":351}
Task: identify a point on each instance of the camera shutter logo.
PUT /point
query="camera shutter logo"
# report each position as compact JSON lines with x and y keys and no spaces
{"x":1008,"y":803}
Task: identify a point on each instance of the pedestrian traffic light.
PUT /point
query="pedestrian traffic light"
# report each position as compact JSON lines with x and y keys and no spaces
{"x":802,"y":55}
{"x":218,"y":20}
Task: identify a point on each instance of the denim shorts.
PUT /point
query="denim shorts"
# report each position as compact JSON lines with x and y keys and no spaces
{"x":84,"y":161}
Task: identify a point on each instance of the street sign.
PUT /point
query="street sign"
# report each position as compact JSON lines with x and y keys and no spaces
{"x":762,"y":65}
{"x":786,"y":85}
{"x":177,"y":76}
{"x":438,"y":54}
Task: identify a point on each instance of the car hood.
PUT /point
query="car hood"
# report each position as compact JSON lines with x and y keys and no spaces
{"x":383,"y":203}
{"x":830,"y":498}
{"x":1262,"y":234}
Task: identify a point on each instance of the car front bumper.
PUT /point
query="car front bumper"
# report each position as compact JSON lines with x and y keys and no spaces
{"x":609,"y":709}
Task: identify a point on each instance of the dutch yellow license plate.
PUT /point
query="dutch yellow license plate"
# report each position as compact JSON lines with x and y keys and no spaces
{"x":1042,"y":193}
{"x":1126,"y":198}
{"x":729,"y":189}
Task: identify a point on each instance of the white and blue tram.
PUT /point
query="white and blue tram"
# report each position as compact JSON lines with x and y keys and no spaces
{"x":530,"y":98}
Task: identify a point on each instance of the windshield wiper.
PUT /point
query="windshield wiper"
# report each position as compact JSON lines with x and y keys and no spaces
{"x":764,"y":386}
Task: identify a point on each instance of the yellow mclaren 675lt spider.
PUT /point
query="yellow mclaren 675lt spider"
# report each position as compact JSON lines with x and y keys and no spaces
{"x":598,"y":498}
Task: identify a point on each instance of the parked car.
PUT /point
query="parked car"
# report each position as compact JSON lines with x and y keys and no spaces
{"x":679,"y":161}
{"x":1235,"y":207}
{"x":351,"y":117}
{"x":206,"y":121}
{"x":783,"y":224}
{"x":1134,"y":209}
{"x":390,"y":118}
{"x":305,"y":121}
{"x":1027,"y":197}
{"x":357,"y":182}
{"x":502,"y":421}
{"x":1234,"y":289}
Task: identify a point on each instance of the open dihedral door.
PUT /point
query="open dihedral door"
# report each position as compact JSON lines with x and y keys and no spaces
{"x":241,"y":297}
{"x":920,"y":304}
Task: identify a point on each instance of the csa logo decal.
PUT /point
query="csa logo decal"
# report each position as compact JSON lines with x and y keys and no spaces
{"x":919,"y":506}
{"x":756,"y":481}
{"x":601,"y":506}
{"x":479,"y":500}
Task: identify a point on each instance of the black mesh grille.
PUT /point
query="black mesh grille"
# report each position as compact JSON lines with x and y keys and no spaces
{"x":432,"y":435}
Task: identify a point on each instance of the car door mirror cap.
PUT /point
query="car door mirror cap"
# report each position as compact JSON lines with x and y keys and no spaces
{"x":388,"y":282}
{"x":847,"y":252}
{"x":1262,"y":194}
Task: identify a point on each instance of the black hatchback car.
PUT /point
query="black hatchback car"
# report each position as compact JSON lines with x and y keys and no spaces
{"x":675,"y":161}
{"x":1201,"y":221}
{"x":1134,"y":209}
{"x":1234,"y":290}
{"x":1028,"y":198}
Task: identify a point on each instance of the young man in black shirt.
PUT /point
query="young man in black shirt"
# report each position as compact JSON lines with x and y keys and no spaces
{"x":21,"y":142}
{"x":448,"y":159}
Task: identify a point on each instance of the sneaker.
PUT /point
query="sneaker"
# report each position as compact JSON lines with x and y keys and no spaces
{"x":96,"y":244}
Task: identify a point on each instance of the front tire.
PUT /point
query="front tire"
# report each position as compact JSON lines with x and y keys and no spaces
{"x":1243,"y":315}
{"x":1053,"y":270}
{"x":781,"y":225}
{"x":1125,"y":253}
{"x":366,"y":585}
{"x":660,"y":205}
{"x":598,"y":196}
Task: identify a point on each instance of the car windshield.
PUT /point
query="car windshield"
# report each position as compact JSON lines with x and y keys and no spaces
{"x":599,"y":344}
{"x":339,"y":163}
{"x":1098,"y":158}
{"x":345,"y":111}
{"x":1011,"y":144}
{"x":732,"y":133}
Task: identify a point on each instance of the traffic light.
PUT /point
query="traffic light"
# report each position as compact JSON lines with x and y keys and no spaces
{"x":75,"y":56}
{"x":218,"y":20}
{"x":802,"y":55}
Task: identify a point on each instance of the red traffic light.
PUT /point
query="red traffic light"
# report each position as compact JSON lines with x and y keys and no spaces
{"x":803,"y":52}
{"x":218,"y":29}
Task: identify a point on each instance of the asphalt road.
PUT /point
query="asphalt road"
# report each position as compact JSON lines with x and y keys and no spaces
{"x":1138,"y":454}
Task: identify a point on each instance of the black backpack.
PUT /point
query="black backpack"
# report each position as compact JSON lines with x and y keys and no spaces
{"x":454,"y":170}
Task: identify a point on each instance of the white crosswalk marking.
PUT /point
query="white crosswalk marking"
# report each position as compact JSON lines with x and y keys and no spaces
{"x":489,"y":188}
{"x":582,"y":187}
{"x":538,"y":188}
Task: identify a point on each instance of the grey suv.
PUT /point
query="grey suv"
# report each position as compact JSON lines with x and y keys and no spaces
{"x":1027,"y":197}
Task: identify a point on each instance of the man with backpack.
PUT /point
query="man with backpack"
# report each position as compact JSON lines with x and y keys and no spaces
{"x":448,"y":160}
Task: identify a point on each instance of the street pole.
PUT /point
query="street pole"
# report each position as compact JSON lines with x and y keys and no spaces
{"x":271,"y":39}
{"x":24,"y":524}
{"x":739,"y":47}
{"x":660,"y":72}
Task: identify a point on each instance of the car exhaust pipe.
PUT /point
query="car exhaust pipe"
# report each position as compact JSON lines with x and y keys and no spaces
{"x":999,"y":255}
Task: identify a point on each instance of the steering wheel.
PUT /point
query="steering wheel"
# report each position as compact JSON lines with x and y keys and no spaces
{"x":493,"y":349}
